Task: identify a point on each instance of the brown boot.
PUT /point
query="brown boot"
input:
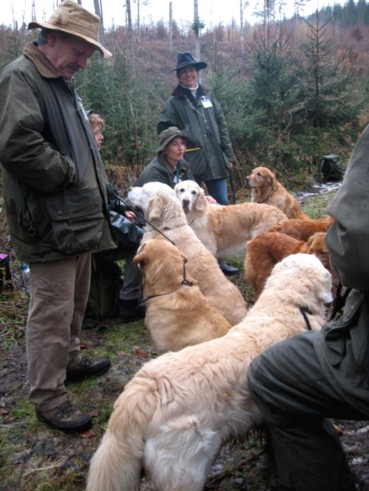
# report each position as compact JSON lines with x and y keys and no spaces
{"x":65,"y":417}
{"x":87,"y":368}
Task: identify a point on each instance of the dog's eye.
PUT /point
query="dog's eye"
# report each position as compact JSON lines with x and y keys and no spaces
{"x":258,"y":173}
{"x":181,"y":190}
{"x":193,"y":192}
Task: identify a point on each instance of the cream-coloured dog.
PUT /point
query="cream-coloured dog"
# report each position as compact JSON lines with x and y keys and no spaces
{"x":267,"y":189}
{"x":164,"y":212}
{"x":225,"y":230}
{"x":176,"y":413}
{"x":178,"y":314}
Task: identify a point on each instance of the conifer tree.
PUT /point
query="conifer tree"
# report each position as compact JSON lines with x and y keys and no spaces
{"x":326,"y":104}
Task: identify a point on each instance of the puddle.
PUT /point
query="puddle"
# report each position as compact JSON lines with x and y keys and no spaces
{"x":318,"y":188}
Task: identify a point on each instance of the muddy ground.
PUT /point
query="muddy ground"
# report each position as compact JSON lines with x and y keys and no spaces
{"x":32,"y":456}
{"x":35,"y":457}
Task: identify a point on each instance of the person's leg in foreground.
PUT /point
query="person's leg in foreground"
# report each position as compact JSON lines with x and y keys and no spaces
{"x":295,"y":399}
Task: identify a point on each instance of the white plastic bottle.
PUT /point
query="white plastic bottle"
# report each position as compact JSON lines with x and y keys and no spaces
{"x":26,"y":276}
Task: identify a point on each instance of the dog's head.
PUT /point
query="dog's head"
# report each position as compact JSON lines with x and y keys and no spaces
{"x":159,"y":203}
{"x":306,"y":276}
{"x":162,"y":265}
{"x":140,"y":196}
{"x":317,"y":246}
{"x":261,"y":177}
{"x":191,"y":196}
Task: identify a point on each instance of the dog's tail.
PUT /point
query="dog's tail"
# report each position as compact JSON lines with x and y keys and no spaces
{"x":117,"y":463}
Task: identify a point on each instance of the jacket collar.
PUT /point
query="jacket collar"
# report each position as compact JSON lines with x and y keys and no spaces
{"x":166,"y":165}
{"x":180,"y":91}
{"x":42,"y":64}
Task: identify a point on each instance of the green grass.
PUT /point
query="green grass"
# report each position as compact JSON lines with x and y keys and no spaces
{"x":317,"y":207}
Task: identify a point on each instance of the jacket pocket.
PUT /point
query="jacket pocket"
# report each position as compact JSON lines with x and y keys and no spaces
{"x":77,"y":220}
{"x":35,"y":223}
{"x":337,"y":332}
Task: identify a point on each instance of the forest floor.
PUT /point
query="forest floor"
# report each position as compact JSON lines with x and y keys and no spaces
{"x":35,"y":457}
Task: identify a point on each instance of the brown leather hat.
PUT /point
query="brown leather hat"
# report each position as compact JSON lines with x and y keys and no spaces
{"x":73,"y":19}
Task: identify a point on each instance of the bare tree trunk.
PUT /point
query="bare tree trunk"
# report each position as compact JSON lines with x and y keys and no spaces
{"x":99,"y":13}
{"x":242,"y":39}
{"x":130,"y":40}
{"x":170,"y":26}
{"x":196,"y":28}
{"x":139,"y":20}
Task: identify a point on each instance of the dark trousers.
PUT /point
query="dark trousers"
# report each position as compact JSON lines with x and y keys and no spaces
{"x":295,"y":398}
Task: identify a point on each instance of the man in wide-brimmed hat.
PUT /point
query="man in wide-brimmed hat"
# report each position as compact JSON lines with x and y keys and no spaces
{"x":199,"y":116}
{"x":55,"y":191}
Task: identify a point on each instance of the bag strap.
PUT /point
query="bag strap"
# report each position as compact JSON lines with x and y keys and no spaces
{"x":339,"y":301}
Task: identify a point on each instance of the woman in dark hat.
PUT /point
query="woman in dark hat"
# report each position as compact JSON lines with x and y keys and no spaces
{"x":201,"y":120}
{"x":168,"y":165}
{"x":169,"y":168}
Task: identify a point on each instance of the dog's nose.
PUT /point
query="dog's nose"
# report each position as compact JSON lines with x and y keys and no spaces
{"x":247,"y":182}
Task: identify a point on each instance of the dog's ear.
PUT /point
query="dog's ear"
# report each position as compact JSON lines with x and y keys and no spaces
{"x":201,"y":202}
{"x":154,"y":209}
{"x":272,"y":180}
{"x":140,"y":257}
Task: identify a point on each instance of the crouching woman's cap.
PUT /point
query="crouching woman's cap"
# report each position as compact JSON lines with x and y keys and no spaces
{"x":167,"y":136}
{"x":71,"y":18}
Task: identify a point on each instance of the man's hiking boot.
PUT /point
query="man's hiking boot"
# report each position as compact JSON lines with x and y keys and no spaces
{"x":87,"y":368}
{"x":65,"y":417}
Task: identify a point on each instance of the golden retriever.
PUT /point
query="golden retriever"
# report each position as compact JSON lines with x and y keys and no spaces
{"x":269,"y":248}
{"x":267,"y":189}
{"x":178,"y":314}
{"x":302,"y":229}
{"x":166,"y":217}
{"x":224,"y":230}
{"x":173,"y":417}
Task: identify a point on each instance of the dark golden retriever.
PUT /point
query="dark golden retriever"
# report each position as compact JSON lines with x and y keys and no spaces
{"x":268,"y":248}
{"x":267,"y":189}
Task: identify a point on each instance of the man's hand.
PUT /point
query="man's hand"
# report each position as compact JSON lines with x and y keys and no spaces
{"x":130,"y":215}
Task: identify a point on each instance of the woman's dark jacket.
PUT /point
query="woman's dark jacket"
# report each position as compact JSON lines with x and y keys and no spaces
{"x":209,"y":147}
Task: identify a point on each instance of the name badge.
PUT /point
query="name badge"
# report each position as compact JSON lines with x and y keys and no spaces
{"x":206,"y":103}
